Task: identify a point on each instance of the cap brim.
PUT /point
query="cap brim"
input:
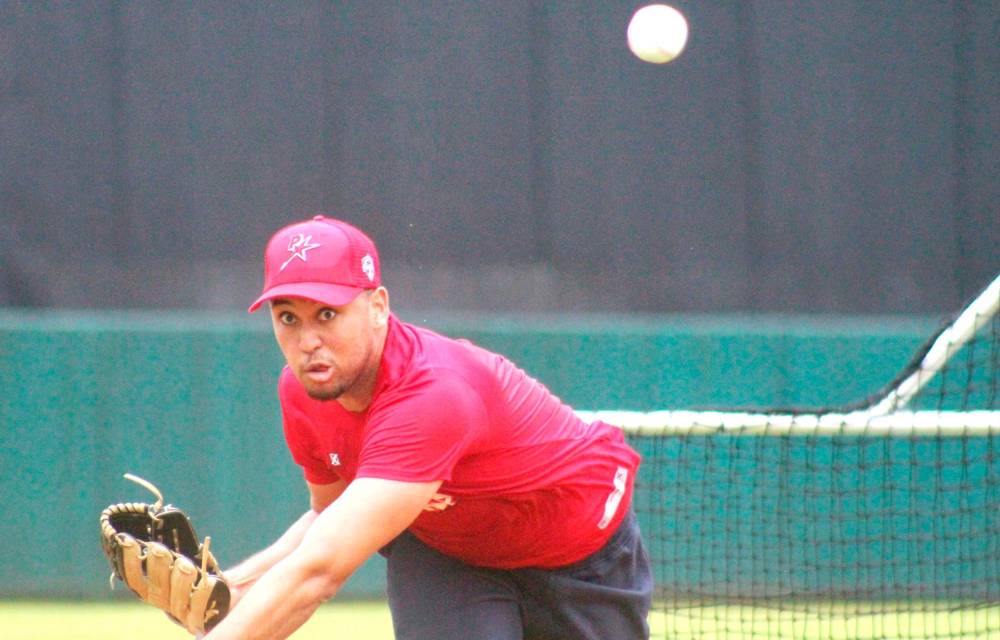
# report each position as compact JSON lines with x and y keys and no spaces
{"x":335,"y":295}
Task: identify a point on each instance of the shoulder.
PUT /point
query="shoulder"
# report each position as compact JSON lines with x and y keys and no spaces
{"x":423,"y":426}
{"x":433,"y":391}
{"x":428,"y":377}
{"x":420,"y":357}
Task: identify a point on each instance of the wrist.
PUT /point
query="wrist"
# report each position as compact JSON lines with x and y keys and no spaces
{"x":239,"y":583}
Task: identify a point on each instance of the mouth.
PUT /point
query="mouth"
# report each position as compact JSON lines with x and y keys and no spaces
{"x":319,"y":372}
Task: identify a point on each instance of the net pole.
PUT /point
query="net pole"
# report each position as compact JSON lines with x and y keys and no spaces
{"x":947,"y":343}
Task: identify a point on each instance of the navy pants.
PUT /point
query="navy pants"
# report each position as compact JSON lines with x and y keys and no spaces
{"x":605,"y":596}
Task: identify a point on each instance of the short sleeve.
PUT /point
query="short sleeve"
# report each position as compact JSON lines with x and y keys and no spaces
{"x":427,"y":426}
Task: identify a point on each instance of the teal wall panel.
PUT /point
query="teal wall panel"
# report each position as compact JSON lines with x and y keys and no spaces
{"x":188,"y":401}
{"x":649,"y":363}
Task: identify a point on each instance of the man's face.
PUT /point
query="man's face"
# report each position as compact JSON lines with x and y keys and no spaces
{"x":333,"y":351}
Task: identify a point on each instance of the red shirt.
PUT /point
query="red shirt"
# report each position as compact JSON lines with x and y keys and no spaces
{"x":526,"y":483}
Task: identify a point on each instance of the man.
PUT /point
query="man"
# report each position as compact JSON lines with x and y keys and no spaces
{"x":501,"y":514}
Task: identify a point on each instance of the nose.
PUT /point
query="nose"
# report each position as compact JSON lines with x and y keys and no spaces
{"x":309,"y":340}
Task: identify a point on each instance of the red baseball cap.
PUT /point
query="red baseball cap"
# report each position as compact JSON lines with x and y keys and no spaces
{"x":321,"y":259}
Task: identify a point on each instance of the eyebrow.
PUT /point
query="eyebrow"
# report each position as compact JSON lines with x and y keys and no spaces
{"x":286,"y":301}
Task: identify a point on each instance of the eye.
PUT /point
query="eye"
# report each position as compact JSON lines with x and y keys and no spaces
{"x":286,"y":318}
{"x":327,"y":314}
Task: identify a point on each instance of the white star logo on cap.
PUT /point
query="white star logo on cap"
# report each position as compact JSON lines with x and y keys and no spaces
{"x":298,"y":246}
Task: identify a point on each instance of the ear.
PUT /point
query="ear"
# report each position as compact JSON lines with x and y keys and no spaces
{"x":378,"y":307}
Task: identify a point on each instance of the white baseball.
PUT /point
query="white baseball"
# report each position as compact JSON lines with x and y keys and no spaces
{"x":657,"y":33}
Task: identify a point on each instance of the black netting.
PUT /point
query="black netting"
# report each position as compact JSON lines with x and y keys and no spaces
{"x":830,"y":535}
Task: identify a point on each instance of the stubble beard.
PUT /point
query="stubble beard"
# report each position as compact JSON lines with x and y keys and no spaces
{"x":339,"y":387}
{"x":325,"y":395}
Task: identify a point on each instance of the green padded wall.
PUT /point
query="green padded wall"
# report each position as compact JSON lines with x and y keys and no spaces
{"x":188,"y":401}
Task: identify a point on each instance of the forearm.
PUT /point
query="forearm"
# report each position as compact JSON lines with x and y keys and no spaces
{"x":370,"y":513}
{"x":280,"y":601}
{"x":247,"y":572}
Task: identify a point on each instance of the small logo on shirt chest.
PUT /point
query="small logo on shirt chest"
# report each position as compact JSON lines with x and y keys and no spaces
{"x":335,"y":459}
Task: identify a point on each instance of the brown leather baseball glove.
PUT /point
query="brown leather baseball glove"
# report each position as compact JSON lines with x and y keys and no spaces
{"x":154,"y":550}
